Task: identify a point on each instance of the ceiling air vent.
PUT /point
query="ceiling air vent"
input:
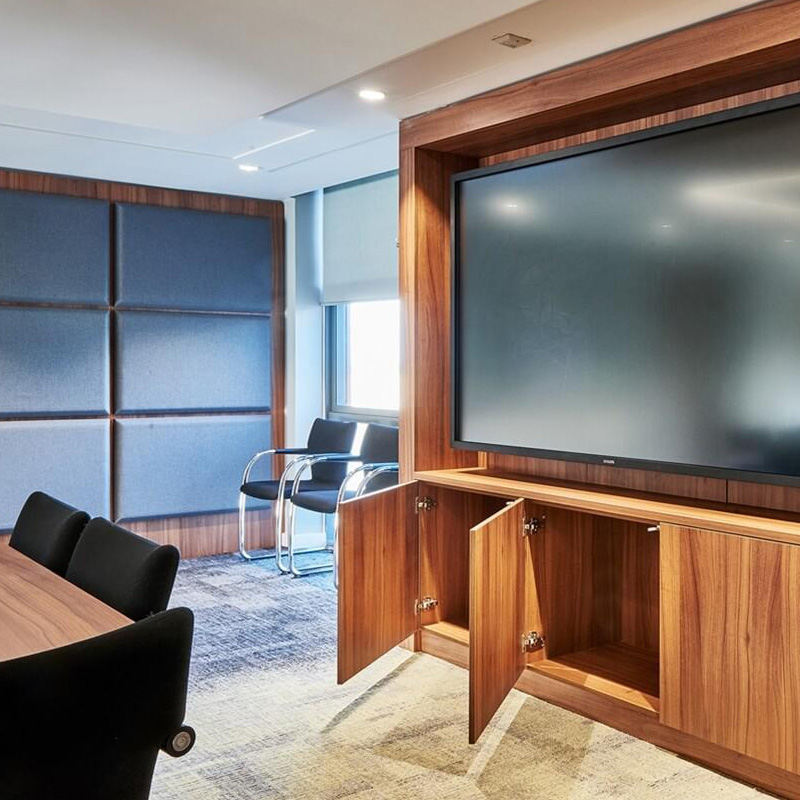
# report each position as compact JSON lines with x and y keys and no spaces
{"x":511,"y":40}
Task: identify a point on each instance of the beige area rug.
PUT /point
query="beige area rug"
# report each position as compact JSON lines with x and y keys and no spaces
{"x":279,"y":727}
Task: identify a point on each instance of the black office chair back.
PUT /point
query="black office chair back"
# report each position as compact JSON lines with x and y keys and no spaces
{"x":380,"y":446}
{"x":126,"y":571}
{"x":86,"y":721}
{"x":47,"y":531}
{"x":327,"y":436}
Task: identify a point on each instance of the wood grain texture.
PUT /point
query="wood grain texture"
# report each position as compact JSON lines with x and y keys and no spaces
{"x":496,"y":657}
{"x":425,"y":295}
{"x":731,"y":642}
{"x":615,"y":477}
{"x":763,"y":495}
{"x":206,"y":534}
{"x":444,"y":550}
{"x":617,"y":670}
{"x":378,"y":576}
{"x":748,"y":49}
{"x":634,"y":508}
{"x":40,"y":610}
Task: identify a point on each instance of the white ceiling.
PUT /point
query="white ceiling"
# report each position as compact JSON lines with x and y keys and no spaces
{"x":170,"y":93}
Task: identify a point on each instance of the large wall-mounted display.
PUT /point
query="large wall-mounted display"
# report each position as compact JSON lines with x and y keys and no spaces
{"x":136,"y":349}
{"x":634,"y":302}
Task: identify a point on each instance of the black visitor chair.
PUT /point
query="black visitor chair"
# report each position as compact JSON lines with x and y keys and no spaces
{"x":326,"y":437}
{"x":377,"y":469}
{"x":47,"y":531}
{"x":86,"y":721}
{"x":125,"y":571}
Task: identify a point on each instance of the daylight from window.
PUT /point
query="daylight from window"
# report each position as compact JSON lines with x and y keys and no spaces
{"x":373,"y":355}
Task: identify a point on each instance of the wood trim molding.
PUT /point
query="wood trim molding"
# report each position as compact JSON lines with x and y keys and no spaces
{"x":751,"y":48}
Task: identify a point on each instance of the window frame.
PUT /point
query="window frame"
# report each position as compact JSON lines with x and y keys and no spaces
{"x":335,"y":342}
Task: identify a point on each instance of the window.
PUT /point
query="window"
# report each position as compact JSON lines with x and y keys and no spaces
{"x":363,"y":355}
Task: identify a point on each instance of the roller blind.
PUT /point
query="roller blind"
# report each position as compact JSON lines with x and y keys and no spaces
{"x":359,"y":223}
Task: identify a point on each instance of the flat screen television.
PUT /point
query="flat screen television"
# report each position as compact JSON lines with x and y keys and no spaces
{"x":636,"y":302}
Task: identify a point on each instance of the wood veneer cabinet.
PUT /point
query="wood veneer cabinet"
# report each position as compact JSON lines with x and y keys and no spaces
{"x":632,"y":633}
{"x":679,"y":624}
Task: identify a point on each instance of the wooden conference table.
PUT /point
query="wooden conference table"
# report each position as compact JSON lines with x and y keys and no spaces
{"x":40,"y":610}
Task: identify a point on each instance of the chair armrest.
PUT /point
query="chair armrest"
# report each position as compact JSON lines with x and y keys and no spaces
{"x":290,"y":451}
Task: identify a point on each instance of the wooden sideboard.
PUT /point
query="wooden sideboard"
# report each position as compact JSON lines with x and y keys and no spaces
{"x":677,"y":623}
{"x":667,"y":603}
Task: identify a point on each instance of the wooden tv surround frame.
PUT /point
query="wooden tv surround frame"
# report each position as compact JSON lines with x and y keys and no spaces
{"x":664,"y":605}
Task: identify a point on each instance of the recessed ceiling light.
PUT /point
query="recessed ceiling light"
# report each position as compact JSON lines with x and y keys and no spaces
{"x":249,"y":168}
{"x":372,"y":95}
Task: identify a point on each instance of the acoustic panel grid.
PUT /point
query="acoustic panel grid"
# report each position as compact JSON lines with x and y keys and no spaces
{"x":135,"y":354}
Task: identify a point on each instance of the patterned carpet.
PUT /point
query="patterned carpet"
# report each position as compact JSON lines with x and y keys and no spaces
{"x":271,"y":722}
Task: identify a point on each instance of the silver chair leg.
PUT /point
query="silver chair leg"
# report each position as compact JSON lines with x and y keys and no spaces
{"x":243,"y":552}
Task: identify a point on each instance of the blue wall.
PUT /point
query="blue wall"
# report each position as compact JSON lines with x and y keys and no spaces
{"x":179,"y":342}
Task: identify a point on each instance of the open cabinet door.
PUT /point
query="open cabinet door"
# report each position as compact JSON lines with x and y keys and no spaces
{"x":378,"y":576}
{"x":496,"y":605}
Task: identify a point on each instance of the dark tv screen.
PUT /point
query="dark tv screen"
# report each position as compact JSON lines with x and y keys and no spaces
{"x":636,"y":302}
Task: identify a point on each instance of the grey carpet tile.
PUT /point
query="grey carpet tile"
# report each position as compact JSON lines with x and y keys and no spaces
{"x":272,"y":723}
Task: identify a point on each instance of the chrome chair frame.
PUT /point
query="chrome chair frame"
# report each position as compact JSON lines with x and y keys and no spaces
{"x":280,"y":501}
{"x":371,"y":471}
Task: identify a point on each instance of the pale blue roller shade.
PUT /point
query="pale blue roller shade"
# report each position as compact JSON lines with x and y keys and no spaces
{"x":359,"y":253}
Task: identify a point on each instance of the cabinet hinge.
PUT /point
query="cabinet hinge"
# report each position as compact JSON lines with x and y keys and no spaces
{"x":425,"y":504}
{"x":654,"y":529}
{"x":532,"y":525}
{"x":532,"y":641}
{"x":426,"y":604}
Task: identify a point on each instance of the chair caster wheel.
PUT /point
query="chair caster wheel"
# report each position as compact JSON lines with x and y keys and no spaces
{"x":180,"y":742}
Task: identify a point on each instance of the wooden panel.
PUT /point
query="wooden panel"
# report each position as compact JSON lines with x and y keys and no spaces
{"x":496,"y":658}
{"x":425,"y":293}
{"x":444,"y":550}
{"x":618,"y":670}
{"x":636,"y":508}
{"x":746,"y":50}
{"x":208,"y":534}
{"x":378,"y":576}
{"x":762,"y":495}
{"x":40,"y":610}
{"x":731,"y":642}
{"x":578,"y":601}
{"x":639,"y":608}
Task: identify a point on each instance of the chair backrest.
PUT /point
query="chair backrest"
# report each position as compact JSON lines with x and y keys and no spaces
{"x":380,"y":446}
{"x":327,"y":436}
{"x":126,"y":571}
{"x":87,"y":720}
{"x":47,"y":531}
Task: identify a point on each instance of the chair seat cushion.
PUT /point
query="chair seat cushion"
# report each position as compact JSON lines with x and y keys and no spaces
{"x":322,"y":501}
{"x":268,"y":490}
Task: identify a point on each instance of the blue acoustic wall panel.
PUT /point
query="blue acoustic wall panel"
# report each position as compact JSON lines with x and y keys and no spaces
{"x":174,"y":258}
{"x":185,"y":465}
{"x":54,"y":249}
{"x":189,"y":362}
{"x":68,"y":459}
{"x":53,"y":362}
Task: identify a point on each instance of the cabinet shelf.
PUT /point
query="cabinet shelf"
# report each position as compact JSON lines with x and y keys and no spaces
{"x":455,"y":631}
{"x":618,"y":670}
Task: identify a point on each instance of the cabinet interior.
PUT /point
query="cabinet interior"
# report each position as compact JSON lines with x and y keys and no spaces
{"x":591,"y":589}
